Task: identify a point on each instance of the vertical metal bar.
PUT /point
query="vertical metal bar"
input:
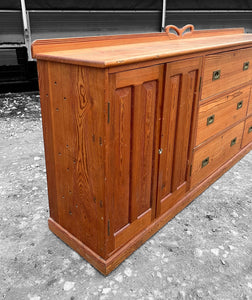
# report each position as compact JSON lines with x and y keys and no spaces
{"x":23,"y":7}
{"x":29,"y":42}
{"x":27,"y":31}
{"x":163,"y":15}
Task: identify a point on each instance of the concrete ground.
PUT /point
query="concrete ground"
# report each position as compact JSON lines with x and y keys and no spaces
{"x":205,"y":252}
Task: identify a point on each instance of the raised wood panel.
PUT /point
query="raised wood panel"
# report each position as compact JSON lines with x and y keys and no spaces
{"x":145,"y":101}
{"x":247,"y":134}
{"x":77,"y":131}
{"x":137,"y":76}
{"x":122,"y":136}
{"x":180,"y":96}
{"x":217,"y":152}
{"x":224,"y":112}
{"x":249,"y":112}
{"x":230,"y":64}
{"x":134,"y":131}
{"x":183,"y":126}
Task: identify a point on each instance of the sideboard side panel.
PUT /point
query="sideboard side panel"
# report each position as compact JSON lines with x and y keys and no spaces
{"x":77,"y":134}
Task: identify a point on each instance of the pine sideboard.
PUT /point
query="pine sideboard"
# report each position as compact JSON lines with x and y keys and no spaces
{"x":137,"y":126}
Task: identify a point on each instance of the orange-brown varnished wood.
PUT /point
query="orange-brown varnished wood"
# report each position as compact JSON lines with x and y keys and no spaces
{"x":131,"y":229}
{"x":135,"y":103}
{"x":126,"y":141}
{"x":180,"y":32}
{"x":89,"y":88}
{"x":64,"y":151}
{"x":181,"y":92}
{"x":47,"y":121}
{"x":77,"y":149}
{"x":247,"y":134}
{"x":72,"y":241}
{"x":249,"y":112}
{"x":218,"y":151}
{"x":122,"y":120}
{"x":230,"y":66}
{"x":107,"y":266}
{"x":40,"y":46}
{"x":224,"y":111}
{"x":116,"y":55}
{"x":139,"y":239}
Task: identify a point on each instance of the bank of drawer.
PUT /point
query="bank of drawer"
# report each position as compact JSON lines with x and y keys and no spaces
{"x":222,"y":112}
{"x":247,"y":134}
{"x":211,"y":156}
{"x":225,"y":70}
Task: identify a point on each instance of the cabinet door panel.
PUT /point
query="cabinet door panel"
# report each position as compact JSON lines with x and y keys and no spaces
{"x":142,"y":146}
{"x":122,"y":121}
{"x":179,"y":103}
{"x":134,"y":130}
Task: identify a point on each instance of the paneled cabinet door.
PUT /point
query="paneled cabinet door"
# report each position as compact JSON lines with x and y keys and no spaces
{"x":133,"y":131}
{"x":179,"y":107}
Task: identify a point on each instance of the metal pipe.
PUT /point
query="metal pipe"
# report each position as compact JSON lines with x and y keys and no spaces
{"x":27,"y":30}
{"x":24,"y":15}
{"x":163,"y":15}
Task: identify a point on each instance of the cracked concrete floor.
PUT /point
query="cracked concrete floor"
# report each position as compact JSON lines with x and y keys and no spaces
{"x":205,"y":252}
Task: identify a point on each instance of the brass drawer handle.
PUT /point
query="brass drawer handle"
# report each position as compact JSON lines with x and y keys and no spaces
{"x":205,"y":162}
{"x":245,"y":66}
{"x":250,"y":129}
{"x":210,"y":120}
{"x":233,"y":142}
{"x":239,"y":105}
{"x":216,"y":75}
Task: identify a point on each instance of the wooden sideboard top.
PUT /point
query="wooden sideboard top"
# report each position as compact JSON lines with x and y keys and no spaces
{"x":110,"y":51}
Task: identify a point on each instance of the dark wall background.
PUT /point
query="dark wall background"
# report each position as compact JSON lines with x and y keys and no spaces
{"x":73,"y":18}
{"x":127,"y":4}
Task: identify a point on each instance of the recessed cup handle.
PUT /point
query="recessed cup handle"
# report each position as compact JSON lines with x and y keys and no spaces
{"x":233,"y":142}
{"x":239,"y":105}
{"x":216,"y":75}
{"x":210,"y":120}
{"x":245,"y":66}
{"x":205,"y":162}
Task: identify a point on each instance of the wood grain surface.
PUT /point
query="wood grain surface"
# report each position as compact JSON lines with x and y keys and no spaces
{"x":218,"y":151}
{"x":249,"y":112}
{"x":225,"y":112}
{"x":247,"y":134}
{"x":127,"y":143}
{"x":230,"y":65}
{"x":74,"y":150}
{"x":48,"y":45}
{"x":135,"y":100}
{"x":181,"y":92}
{"x":122,"y":54}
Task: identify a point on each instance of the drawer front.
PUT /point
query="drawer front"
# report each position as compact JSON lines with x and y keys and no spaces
{"x":225,"y":70}
{"x":220,"y":113}
{"x":211,"y":156}
{"x":247,"y":135}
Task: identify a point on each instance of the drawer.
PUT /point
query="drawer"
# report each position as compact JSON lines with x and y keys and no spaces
{"x":220,"y":113}
{"x":225,"y":70}
{"x":212,"y":155}
{"x":247,"y":135}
